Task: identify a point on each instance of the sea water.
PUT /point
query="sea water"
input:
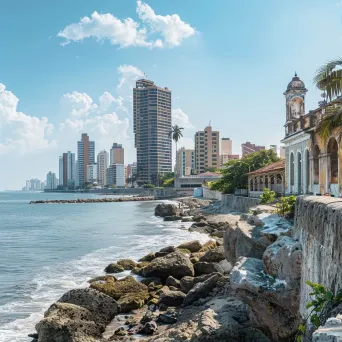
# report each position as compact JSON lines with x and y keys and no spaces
{"x":48,"y":249}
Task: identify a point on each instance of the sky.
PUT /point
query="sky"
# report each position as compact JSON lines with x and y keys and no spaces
{"x":68,"y":67}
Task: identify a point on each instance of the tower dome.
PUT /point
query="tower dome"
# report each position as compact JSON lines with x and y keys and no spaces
{"x":296,"y":84}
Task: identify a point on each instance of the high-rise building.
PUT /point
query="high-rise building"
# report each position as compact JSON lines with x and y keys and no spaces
{"x":116,"y":175}
{"x":207,"y":149}
{"x":185,"y":162}
{"x":102,"y":165}
{"x":85,"y":157}
{"x":51,"y":181}
{"x":152,"y":125}
{"x":131,"y":170}
{"x":92,"y":173}
{"x":226,"y":146}
{"x":248,"y":148}
{"x":117,"y":154}
{"x":67,"y":170}
{"x":61,"y":177}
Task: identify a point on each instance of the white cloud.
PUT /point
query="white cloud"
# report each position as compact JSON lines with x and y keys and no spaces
{"x":180,"y":118}
{"x":127,"y":32}
{"x":128,"y":75}
{"x":77,"y":104}
{"x":22,"y":133}
{"x":171,"y":27}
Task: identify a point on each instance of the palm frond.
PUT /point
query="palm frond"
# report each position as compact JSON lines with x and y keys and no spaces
{"x":330,"y":121}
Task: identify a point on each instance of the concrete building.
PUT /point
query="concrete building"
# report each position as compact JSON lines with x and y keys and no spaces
{"x":85,"y":157}
{"x":248,"y":148}
{"x":67,"y":170}
{"x":207,"y":149}
{"x":226,"y":146}
{"x":274,"y":148}
{"x":116,"y":175}
{"x":92,"y":173}
{"x":196,"y":181}
{"x":152,"y":124}
{"x":131,"y":169}
{"x":102,"y":165}
{"x":282,"y":152}
{"x":117,"y":154}
{"x":51,"y":181}
{"x":224,"y":158}
{"x":185,"y":164}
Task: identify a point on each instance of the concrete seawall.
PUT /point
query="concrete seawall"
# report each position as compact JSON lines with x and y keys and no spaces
{"x":318,"y":226}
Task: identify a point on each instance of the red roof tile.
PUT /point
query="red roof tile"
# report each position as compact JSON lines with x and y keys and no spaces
{"x":277,"y":166}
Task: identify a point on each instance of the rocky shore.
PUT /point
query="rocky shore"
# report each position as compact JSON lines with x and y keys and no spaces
{"x":96,"y":200}
{"x":242,"y":285}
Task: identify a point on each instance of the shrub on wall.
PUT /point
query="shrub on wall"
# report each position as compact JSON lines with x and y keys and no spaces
{"x":268,"y":196}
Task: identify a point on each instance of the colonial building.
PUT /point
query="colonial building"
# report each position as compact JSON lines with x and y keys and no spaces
{"x":312,"y":163}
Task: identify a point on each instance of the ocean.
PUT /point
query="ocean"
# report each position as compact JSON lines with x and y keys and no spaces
{"x":48,"y":249}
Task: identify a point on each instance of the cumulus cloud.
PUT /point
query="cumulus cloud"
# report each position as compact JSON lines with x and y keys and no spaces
{"x":171,"y":27}
{"x":77,"y":104}
{"x":127,"y":32}
{"x":180,"y":118}
{"x":22,"y":133}
{"x":128,"y":75}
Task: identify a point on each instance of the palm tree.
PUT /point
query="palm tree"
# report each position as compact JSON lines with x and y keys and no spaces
{"x":329,"y":79}
{"x":176,"y":134}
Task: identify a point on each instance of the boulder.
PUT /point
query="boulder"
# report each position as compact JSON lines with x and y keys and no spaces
{"x":186,"y":284}
{"x":102,"y":279}
{"x":151,"y":280}
{"x":255,"y":221}
{"x":148,"y":317}
{"x":239,"y":244}
{"x":131,"y":301}
{"x":283,"y":259}
{"x":149,"y":328}
{"x":165,"y":251}
{"x":127,"y":264}
{"x":164,"y":209}
{"x":175,"y":264}
{"x":211,"y":244}
{"x":172,"y":298}
{"x":214,"y":255}
{"x":274,"y":307}
{"x":225,"y":266}
{"x":192,"y":246}
{"x":331,"y":331}
{"x":171,"y":281}
{"x":114,"y":268}
{"x":169,"y":317}
{"x":204,"y":268}
{"x":99,"y":304}
{"x":148,"y":258}
{"x":201,"y":290}
{"x":187,"y":219}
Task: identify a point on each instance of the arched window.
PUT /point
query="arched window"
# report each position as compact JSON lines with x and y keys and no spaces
{"x":332,"y":152}
{"x":315,"y":156}
{"x":299,"y":172}
{"x":251,"y":185}
{"x":292,"y":169}
{"x":307,"y":170}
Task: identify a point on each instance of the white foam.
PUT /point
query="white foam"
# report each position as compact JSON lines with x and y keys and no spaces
{"x":53,"y":281}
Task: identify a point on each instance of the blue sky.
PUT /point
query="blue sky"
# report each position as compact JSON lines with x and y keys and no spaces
{"x":225,"y":61}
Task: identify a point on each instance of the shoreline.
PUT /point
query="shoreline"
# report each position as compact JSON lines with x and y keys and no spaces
{"x":97,"y":200}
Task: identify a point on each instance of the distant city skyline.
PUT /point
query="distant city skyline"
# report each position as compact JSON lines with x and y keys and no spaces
{"x":84,"y":82}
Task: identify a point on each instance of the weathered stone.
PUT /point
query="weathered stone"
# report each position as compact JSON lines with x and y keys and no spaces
{"x":186,"y":284}
{"x":214,"y":255}
{"x":149,"y":328}
{"x":127,"y":264}
{"x":237,"y":244}
{"x":204,"y":268}
{"x":255,"y":221}
{"x":164,"y":209}
{"x":211,"y":244}
{"x":148,"y":317}
{"x":114,"y":268}
{"x":225,"y":266}
{"x":131,"y":301}
{"x":172,"y":218}
{"x":283,"y":259}
{"x":101,"y":305}
{"x":102,"y":279}
{"x":149,"y":257}
{"x":171,"y":281}
{"x":330,"y":332}
{"x":187,"y":219}
{"x":192,"y":246}
{"x":175,"y":264}
{"x":169,"y":317}
{"x":151,"y":280}
{"x":172,"y":298}
{"x":201,"y":290}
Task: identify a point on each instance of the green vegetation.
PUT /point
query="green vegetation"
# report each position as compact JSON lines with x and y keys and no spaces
{"x":323,"y":302}
{"x":176,"y":134}
{"x":148,"y":186}
{"x":235,"y":172}
{"x":268,"y":196}
{"x":169,"y":183}
{"x":286,"y":206}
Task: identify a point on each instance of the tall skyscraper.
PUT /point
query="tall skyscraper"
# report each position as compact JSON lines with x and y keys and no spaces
{"x":51,"y":181}
{"x":248,"y":148}
{"x":85,"y":157}
{"x":207,"y":149}
{"x":61,"y":170}
{"x":117,"y":154}
{"x":152,"y":124}
{"x":226,"y":146}
{"x":185,"y":162}
{"x":102,"y":165}
{"x":67,"y":170}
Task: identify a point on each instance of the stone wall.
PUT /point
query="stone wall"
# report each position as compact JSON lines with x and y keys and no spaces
{"x":318,"y":226}
{"x":211,"y":194}
{"x":239,"y":203}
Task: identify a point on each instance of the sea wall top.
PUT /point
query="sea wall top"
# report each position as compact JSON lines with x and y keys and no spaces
{"x":318,"y":226}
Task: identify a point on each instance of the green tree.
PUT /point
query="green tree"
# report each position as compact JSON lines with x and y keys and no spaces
{"x":235,"y":171}
{"x":176,"y":134}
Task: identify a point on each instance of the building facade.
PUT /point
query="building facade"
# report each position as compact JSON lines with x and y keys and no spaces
{"x":67,"y":164}
{"x":51,"y":181}
{"x":85,"y":157}
{"x":102,"y":165}
{"x":185,"y":162}
{"x":92,"y":173}
{"x":116,"y":175}
{"x":117,"y":154}
{"x":131,"y":170}
{"x":226,"y":146}
{"x":224,"y":158}
{"x":248,"y":148}
{"x":207,"y":149}
{"x":151,"y":126}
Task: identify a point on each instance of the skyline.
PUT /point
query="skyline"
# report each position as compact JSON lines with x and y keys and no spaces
{"x":212,"y":59}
